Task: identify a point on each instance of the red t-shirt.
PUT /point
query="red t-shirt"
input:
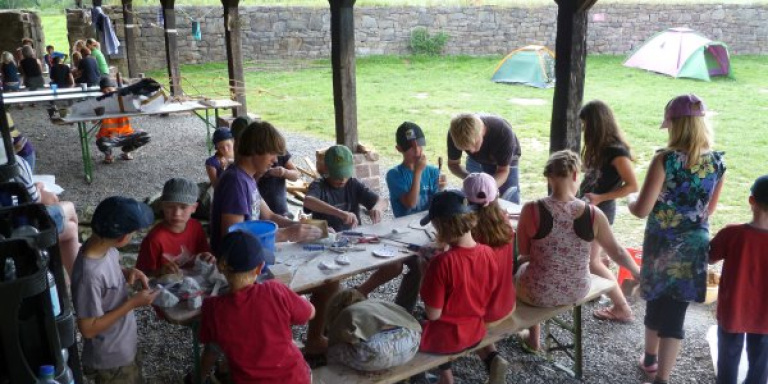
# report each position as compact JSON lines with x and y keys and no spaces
{"x":253,"y":329}
{"x":161,"y":240}
{"x":460,"y":282}
{"x":741,"y":301}
{"x":503,"y":296}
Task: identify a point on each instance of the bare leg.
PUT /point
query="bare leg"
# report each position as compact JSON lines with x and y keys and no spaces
{"x":316,"y":342}
{"x":651,"y":342}
{"x":69,"y":243}
{"x":382,"y":275}
{"x":668,"y":351}
{"x":446,"y":376}
{"x":620,"y":307}
{"x":207,"y":361}
{"x":534,"y":336}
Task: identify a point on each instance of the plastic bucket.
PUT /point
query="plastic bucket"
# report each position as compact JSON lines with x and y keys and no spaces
{"x":637,"y":256}
{"x":264,"y":230}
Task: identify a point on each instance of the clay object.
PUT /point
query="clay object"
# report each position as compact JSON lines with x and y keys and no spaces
{"x":342,"y":260}
{"x":165,"y":299}
{"x":195,"y":302}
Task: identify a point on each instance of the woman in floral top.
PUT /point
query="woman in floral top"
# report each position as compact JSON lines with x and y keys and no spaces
{"x":679,"y":194}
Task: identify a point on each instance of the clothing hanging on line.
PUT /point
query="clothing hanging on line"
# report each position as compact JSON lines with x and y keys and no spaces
{"x":106,"y":31}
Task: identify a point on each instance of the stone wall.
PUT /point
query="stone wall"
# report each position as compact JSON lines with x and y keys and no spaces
{"x":299,"y":32}
{"x":18,"y":24}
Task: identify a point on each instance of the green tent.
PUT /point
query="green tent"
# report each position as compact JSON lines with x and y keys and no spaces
{"x":531,"y":65}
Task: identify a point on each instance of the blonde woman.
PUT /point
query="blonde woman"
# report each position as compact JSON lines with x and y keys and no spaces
{"x":11,"y":78}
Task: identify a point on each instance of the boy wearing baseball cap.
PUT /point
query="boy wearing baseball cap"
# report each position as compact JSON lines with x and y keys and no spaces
{"x":100,"y":292}
{"x":177,"y":240}
{"x":412,"y":183}
{"x":741,"y":307}
{"x":252,"y":323}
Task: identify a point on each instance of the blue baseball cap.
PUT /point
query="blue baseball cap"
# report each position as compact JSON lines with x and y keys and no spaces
{"x":243,"y":251}
{"x":447,"y":203}
{"x":117,"y":216}
{"x":220,"y":135}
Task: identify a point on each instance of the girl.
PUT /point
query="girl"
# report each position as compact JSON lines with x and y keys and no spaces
{"x":608,"y":176}
{"x":369,"y":335}
{"x":555,"y":235}
{"x":679,"y":194}
{"x":11,"y":78}
{"x":224,"y":144}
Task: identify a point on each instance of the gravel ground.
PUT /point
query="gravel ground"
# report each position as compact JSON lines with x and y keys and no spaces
{"x":178,"y":149}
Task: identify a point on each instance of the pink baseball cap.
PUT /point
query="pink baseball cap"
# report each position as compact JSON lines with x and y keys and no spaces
{"x":480,"y":188}
{"x":682,"y":106}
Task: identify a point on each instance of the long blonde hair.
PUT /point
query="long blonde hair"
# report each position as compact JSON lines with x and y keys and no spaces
{"x":692,"y":135}
{"x":7,"y":57}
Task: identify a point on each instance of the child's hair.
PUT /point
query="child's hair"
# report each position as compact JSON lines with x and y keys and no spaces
{"x":692,"y":135}
{"x":85,"y":52}
{"x":27,"y":41}
{"x":47,"y":47}
{"x":492,"y":227}
{"x":464,"y":130}
{"x":562,"y":164}
{"x":260,"y":138}
{"x":340,"y":301}
{"x":56,"y":60}
{"x":7,"y":57}
{"x":90,"y":41}
{"x":450,"y":229}
{"x":235,"y":278}
{"x":600,"y":131}
{"x":79,"y":44}
{"x":28,"y":52}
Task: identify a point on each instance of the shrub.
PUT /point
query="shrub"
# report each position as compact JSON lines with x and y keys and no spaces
{"x":422,"y":43}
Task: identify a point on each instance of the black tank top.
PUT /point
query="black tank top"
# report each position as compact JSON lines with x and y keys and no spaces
{"x":30,"y":67}
{"x":582,"y":225}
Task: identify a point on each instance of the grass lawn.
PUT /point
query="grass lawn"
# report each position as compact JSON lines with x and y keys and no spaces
{"x":297,"y":96}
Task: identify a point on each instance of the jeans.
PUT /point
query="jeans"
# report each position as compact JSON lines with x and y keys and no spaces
{"x":729,"y":347}
{"x":510,"y":190}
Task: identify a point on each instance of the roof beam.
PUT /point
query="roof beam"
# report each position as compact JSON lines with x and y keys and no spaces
{"x":234,"y":47}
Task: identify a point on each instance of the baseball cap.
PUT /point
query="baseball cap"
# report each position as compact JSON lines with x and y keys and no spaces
{"x":117,"y":216}
{"x":447,"y":203}
{"x":760,"y":189}
{"x":682,"y":106}
{"x":480,"y":188}
{"x":408,"y":132}
{"x":243,"y":251}
{"x":338,"y":161}
{"x":180,"y":190}
{"x":220,"y":135}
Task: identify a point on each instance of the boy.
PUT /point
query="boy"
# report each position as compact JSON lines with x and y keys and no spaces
{"x":741,"y":307}
{"x":252,"y":323}
{"x":458,"y":283}
{"x":53,"y":54}
{"x":117,"y":132}
{"x":337,"y":197}
{"x":100,"y":292}
{"x":178,"y":239}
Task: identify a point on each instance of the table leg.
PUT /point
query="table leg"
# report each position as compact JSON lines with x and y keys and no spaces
{"x":208,"y":128}
{"x":86,"y":151}
{"x":578,"y":364}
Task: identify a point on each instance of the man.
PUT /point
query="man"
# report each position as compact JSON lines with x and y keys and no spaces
{"x":101,"y":61}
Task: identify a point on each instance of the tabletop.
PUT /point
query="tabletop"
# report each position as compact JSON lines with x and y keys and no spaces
{"x":173,"y":107}
{"x":50,"y":97}
{"x":48,"y":92}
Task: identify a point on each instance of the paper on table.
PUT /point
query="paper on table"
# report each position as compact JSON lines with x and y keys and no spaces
{"x":49,"y":182}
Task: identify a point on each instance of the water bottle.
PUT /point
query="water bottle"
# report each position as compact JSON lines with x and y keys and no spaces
{"x":45,"y":375}
{"x":68,"y":377}
{"x":54,"y":294}
{"x":9,"y":270}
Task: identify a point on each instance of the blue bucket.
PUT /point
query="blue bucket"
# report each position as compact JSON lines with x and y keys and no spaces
{"x":264,"y":230}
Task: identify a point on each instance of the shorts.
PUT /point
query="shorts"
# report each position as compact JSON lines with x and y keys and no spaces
{"x":57,"y":215}
{"x":129,"y":374}
{"x":666,"y":316}
{"x":106,"y":82}
{"x":386,"y":349}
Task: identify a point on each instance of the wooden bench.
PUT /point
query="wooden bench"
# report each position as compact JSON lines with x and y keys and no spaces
{"x":524,"y":316}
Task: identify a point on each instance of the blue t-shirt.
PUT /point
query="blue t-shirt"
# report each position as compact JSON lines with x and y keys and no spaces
{"x":235,"y":194}
{"x":399,"y":181}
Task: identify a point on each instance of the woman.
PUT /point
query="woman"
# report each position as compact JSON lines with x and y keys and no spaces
{"x":11,"y":78}
{"x":555,"y":235}
{"x":608,"y":176}
{"x":679,"y":194}
{"x":88,"y":69}
{"x":31,"y":68}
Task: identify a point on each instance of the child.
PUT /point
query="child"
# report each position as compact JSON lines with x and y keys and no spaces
{"x":370,"y":335}
{"x":100,"y":292}
{"x":458,"y":283}
{"x":117,"y":132}
{"x":52,"y":54}
{"x":337,"y":197}
{"x":494,"y":230}
{"x":252,"y":323}
{"x":21,"y":144}
{"x":178,"y":239}
{"x":224,"y":144}
{"x":272,"y":184}
{"x":61,"y":74}
{"x":741,"y":308}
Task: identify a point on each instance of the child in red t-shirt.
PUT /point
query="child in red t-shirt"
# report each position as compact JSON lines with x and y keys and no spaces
{"x":178,"y":239}
{"x":742,"y":304}
{"x":458,"y":283}
{"x":252,"y":323}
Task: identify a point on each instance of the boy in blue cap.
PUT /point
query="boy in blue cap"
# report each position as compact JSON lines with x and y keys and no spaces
{"x":100,"y":292}
{"x":252,"y":323}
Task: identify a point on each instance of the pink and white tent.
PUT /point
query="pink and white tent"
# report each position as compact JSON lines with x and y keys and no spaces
{"x":682,"y":52}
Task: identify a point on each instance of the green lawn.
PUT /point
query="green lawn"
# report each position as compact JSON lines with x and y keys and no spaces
{"x":55,"y":30}
{"x":297,"y":96}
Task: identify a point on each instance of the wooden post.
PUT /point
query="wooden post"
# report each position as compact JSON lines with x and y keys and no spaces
{"x":343,"y":63}
{"x":570,"y":62}
{"x":171,"y":46}
{"x":130,"y":39}
{"x":234,"y":46}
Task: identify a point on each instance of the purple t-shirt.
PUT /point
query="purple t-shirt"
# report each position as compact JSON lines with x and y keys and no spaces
{"x":214,"y":162}
{"x":235,"y":194}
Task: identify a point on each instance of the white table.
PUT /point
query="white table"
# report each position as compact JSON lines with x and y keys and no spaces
{"x":49,"y":92}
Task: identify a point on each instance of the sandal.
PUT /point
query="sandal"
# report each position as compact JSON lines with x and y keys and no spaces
{"x":649,"y":370}
{"x":109,"y":159}
{"x":607,"y":314}
{"x":522,"y":338}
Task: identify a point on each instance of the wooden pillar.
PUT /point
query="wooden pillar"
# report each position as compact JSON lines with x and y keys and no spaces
{"x":234,"y":46}
{"x":171,"y":46}
{"x":343,"y":63}
{"x":570,"y":62}
{"x":130,"y":39}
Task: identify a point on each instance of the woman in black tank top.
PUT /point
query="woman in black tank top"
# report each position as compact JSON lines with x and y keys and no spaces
{"x":32,"y":69}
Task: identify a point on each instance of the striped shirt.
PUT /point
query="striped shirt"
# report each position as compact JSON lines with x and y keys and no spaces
{"x":25,"y":177}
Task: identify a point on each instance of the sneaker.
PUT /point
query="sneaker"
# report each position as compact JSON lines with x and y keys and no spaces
{"x":126,"y":156}
{"x":498,"y":374}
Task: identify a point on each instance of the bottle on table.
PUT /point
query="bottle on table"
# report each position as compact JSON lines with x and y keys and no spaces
{"x":45,"y":375}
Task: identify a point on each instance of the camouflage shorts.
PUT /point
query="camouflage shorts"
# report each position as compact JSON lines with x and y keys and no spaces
{"x":129,"y":374}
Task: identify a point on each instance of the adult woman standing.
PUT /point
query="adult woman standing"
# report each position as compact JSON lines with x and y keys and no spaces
{"x":11,"y":78}
{"x":31,"y":68}
{"x":608,"y":176}
{"x":679,"y":194}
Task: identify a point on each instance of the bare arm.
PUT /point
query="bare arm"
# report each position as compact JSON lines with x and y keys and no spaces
{"x":715,"y":197}
{"x":604,"y":237}
{"x":212,"y":177}
{"x":629,"y":182}
{"x":651,"y":189}
{"x":433,"y":313}
{"x":291,"y":172}
{"x":316,"y":205}
{"x":411,"y":198}
{"x":228,"y":220}
{"x":526,"y":229}
{"x":93,"y":326}
{"x":502,"y":172}
{"x":267,"y":214}
{"x":457,"y":169}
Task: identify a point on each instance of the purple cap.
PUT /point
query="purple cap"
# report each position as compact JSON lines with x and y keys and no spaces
{"x":480,"y":188}
{"x":682,"y":106}
{"x":760,"y":189}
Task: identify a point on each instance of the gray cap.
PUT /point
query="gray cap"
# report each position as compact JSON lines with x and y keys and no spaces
{"x":180,"y":190}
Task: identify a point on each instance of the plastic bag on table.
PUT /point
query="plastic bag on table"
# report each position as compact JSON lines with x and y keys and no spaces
{"x":165,"y":299}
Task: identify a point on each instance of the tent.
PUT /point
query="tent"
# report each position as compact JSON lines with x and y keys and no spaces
{"x":682,"y":52}
{"x":532,"y":65}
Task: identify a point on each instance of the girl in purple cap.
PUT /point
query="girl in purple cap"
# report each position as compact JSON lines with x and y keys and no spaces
{"x":679,"y":194}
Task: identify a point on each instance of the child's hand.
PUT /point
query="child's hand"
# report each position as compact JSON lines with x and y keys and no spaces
{"x":303,"y":232}
{"x":132,"y":275}
{"x":376,"y":215}
{"x":276,"y":171}
{"x":349,"y":218}
{"x":207,"y":257}
{"x":421,"y":163}
{"x":170,"y":267}
{"x":144,"y":297}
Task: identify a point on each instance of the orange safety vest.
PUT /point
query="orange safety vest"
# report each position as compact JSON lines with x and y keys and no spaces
{"x":116,"y":126}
